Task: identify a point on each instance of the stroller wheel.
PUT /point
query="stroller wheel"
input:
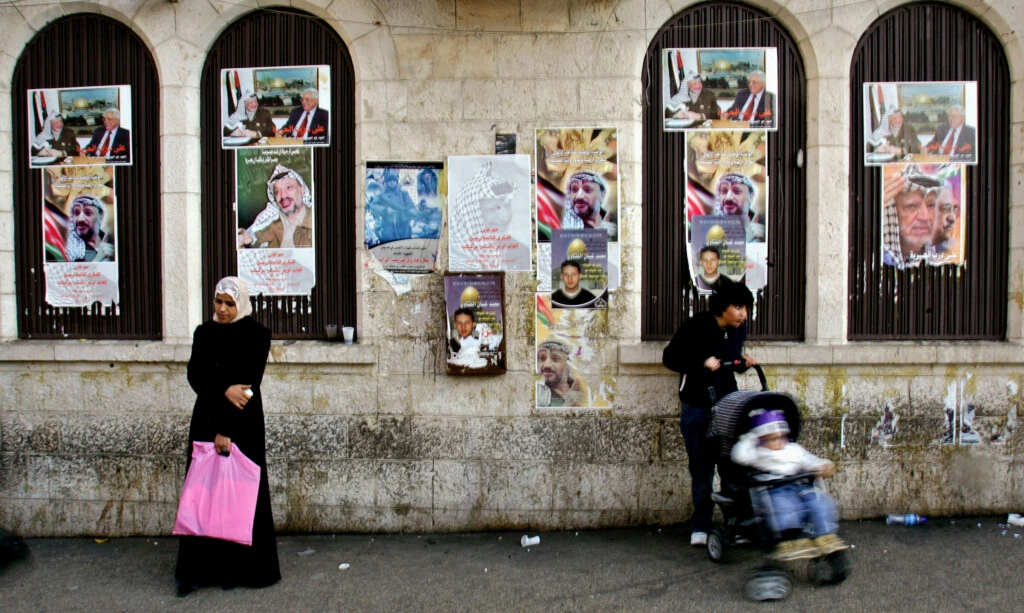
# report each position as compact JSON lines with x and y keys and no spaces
{"x":716,"y":546}
{"x":830,"y":569}
{"x":769,"y":584}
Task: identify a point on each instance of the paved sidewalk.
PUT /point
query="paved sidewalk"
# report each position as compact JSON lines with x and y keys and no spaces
{"x":946,"y":565}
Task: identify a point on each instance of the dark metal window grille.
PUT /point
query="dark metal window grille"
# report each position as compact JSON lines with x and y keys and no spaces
{"x":79,"y":51}
{"x":668,"y":295}
{"x":284,"y":37}
{"x":933,"y":42}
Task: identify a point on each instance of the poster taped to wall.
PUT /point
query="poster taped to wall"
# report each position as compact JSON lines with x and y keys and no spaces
{"x":577,"y":187}
{"x":80,"y":126}
{"x":278,"y":106}
{"x":574,"y":357}
{"x":579,"y":271}
{"x":475,"y":309}
{"x":924,"y":122}
{"x":720,"y":89}
{"x":275,"y":220}
{"x":402,"y":222}
{"x":489,"y":213}
{"x":80,"y":236}
{"x":924,"y":214}
{"x":726,"y":201}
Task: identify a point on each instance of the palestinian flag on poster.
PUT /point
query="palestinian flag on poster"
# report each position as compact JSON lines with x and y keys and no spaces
{"x":544,"y":313}
{"x":699,"y":201}
{"x":234,"y":88}
{"x":55,"y":224}
{"x":549,"y":207}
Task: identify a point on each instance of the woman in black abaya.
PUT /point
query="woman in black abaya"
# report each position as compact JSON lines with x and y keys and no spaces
{"x":229,"y":354}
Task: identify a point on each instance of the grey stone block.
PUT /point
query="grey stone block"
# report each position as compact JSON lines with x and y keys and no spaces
{"x":404,"y":485}
{"x":87,"y":434}
{"x":166,"y":434}
{"x":672,"y":448}
{"x":118,"y":391}
{"x":120,"y":478}
{"x":535,"y":438}
{"x":664,"y":486}
{"x":344,"y":394}
{"x":595,"y":487}
{"x":384,"y":437}
{"x":49,"y":390}
{"x":438,"y":438}
{"x":29,"y":433}
{"x":627,"y":440}
{"x":516,"y":486}
{"x":307,"y":436}
{"x":348,"y":483}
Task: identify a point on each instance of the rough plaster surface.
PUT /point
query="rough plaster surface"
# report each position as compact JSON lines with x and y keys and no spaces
{"x":375,"y":437}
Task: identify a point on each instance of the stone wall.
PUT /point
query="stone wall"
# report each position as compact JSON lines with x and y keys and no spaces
{"x":375,"y":437}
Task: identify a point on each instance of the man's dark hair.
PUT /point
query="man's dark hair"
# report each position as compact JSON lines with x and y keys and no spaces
{"x":735,"y":294}
{"x":464,"y":311}
{"x":572,"y":263}
{"x":711,"y":249}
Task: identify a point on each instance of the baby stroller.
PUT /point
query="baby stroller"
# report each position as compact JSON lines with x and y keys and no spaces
{"x":740,"y":493}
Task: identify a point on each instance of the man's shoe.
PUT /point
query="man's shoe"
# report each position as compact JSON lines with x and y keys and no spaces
{"x":830,"y":543}
{"x":799,"y":549}
{"x":698,"y":539}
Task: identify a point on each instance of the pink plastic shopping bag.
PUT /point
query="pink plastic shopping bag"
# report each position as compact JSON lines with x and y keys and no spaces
{"x":219,"y":497}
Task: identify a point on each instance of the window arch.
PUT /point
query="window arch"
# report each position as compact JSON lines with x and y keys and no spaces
{"x":668,"y":296}
{"x":286,"y":38}
{"x":933,"y":42}
{"x":80,"y":51}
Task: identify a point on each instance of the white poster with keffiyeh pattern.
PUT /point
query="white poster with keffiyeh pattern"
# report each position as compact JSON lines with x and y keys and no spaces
{"x":80,"y":236}
{"x":489,"y":213}
{"x":276,"y":224}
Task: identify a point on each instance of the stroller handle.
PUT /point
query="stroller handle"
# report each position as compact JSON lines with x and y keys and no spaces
{"x":735,"y":365}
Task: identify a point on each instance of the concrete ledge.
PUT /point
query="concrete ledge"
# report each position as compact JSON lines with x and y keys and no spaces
{"x":924,"y":353}
{"x":281,"y":352}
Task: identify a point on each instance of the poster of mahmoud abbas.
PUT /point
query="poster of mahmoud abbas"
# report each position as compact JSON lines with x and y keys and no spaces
{"x":489,"y":225}
{"x":924,"y":122}
{"x":80,"y":126}
{"x":579,"y":271}
{"x":402,"y":220}
{"x":720,"y":89}
{"x":727,"y":180}
{"x":475,"y":305}
{"x":276,"y":106}
{"x":924,"y":214}
{"x":80,"y":236}
{"x":577,"y":187}
{"x":275,"y":220}
{"x":574,"y":356}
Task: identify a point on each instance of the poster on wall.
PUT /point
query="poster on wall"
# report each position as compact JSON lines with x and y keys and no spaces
{"x":80,"y":126}
{"x":402,"y":220}
{"x":489,"y":213}
{"x":574,"y":357}
{"x":579,"y":272}
{"x":720,"y":89}
{"x":275,"y":220}
{"x":727,"y":204}
{"x":923,"y":122}
{"x":924,"y":212}
{"x":80,"y":236}
{"x":475,"y":309}
{"x":577,"y":187}
{"x":276,"y":106}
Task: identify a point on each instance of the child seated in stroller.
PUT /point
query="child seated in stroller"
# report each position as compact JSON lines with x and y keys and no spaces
{"x":789,"y":507}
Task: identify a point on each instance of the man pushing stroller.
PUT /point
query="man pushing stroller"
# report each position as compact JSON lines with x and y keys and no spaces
{"x":790,"y":507}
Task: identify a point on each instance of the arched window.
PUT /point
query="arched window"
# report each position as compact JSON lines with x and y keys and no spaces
{"x":667,"y":295}
{"x":933,"y":42}
{"x":88,"y":50}
{"x":285,"y":37}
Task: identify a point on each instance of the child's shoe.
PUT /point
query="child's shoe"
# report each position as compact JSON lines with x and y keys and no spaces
{"x":830,"y":543}
{"x":798,"y":549}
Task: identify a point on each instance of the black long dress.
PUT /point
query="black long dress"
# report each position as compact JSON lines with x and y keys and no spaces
{"x":224,"y":355}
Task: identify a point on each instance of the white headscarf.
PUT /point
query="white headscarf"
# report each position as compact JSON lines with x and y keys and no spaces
{"x":239,"y":292}
{"x":47,"y":136}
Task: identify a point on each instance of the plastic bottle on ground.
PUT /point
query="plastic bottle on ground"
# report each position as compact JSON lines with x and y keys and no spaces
{"x":908,"y":519}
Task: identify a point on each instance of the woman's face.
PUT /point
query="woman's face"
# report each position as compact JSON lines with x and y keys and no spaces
{"x":735,"y":315}
{"x":224,"y":308}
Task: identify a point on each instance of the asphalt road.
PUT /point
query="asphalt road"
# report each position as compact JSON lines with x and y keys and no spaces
{"x":946,"y":565}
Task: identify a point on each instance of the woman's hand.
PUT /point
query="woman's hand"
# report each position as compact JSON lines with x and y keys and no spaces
{"x":223,"y":444}
{"x":712,"y":364}
{"x":236,"y":395}
{"x":749,"y":360}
